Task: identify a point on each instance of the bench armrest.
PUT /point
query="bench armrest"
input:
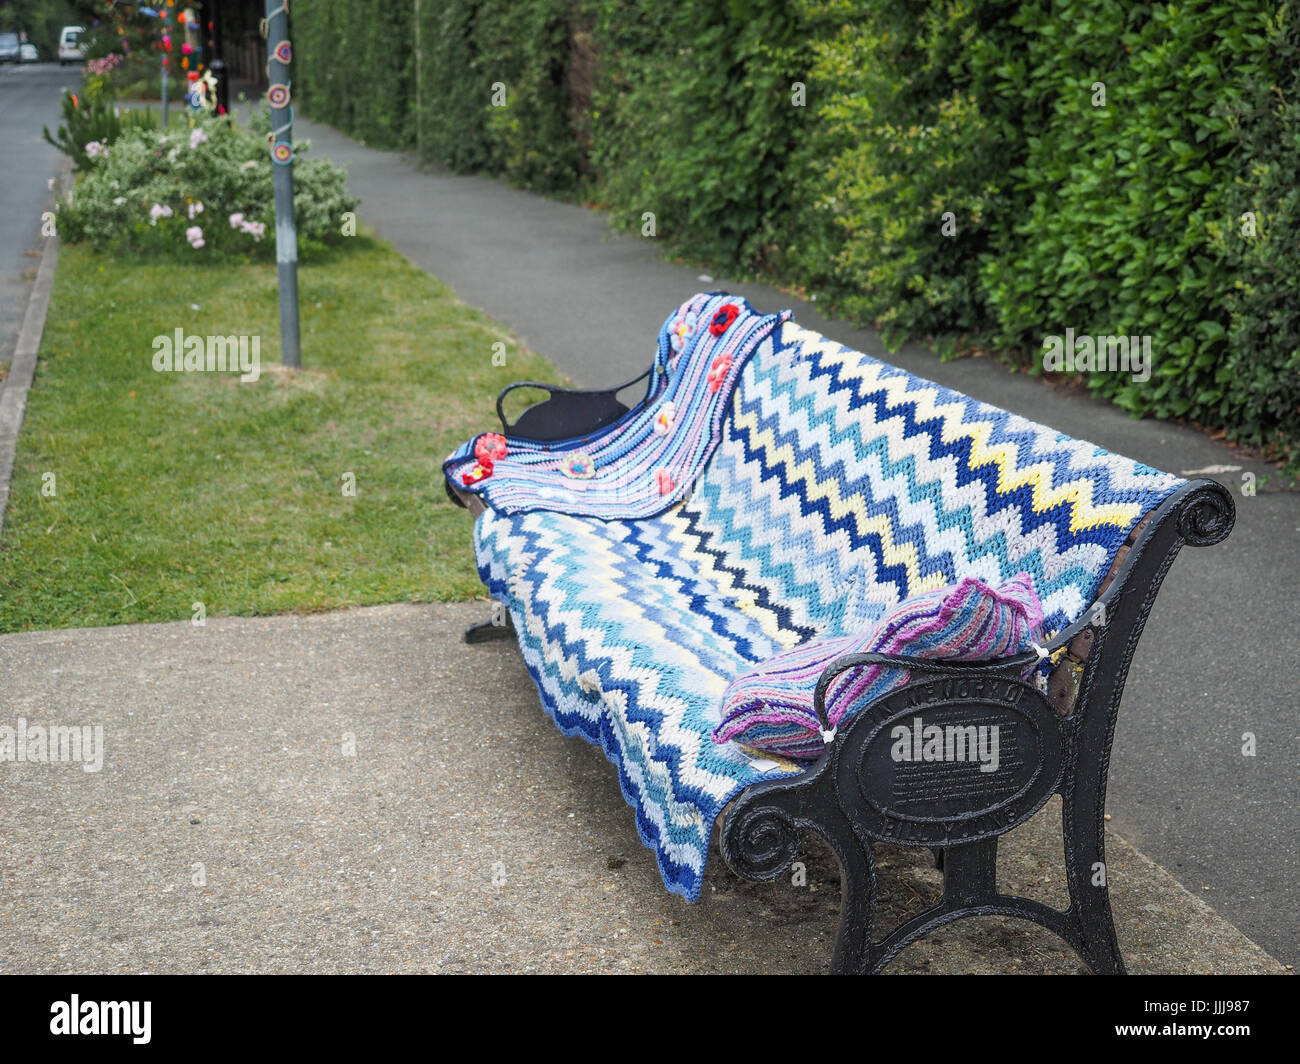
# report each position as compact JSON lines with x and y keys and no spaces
{"x":950,"y":666}
{"x":566,"y":412}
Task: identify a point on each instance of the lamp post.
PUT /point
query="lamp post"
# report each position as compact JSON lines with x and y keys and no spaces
{"x":279,"y":54}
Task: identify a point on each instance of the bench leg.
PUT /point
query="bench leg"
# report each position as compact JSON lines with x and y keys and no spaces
{"x":853,"y":946}
{"x":969,"y":889}
{"x":496,"y":628}
{"x":1085,"y":863}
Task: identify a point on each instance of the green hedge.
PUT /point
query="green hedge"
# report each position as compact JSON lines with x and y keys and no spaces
{"x":946,"y":170}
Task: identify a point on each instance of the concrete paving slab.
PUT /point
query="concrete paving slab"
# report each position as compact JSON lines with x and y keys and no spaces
{"x":358,"y":791}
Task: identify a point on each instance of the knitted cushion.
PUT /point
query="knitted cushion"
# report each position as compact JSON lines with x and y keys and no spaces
{"x":770,"y":708}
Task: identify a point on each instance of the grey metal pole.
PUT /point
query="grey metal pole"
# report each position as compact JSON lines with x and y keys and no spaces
{"x":279,"y":54}
{"x":166,"y":61}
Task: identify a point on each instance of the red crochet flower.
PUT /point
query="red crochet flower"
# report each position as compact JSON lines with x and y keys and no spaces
{"x":665,"y":481}
{"x":719,"y":370}
{"x":491,"y":446}
{"x":722,"y":320}
{"x":481,"y":471}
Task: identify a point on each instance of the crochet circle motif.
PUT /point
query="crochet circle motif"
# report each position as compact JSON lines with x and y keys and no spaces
{"x":579,"y":466}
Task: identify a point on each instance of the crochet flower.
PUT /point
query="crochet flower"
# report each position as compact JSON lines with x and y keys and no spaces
{"x":682,"y":332}
{"x":722,"y":320}
{"x":481,"y":471}
{"x":665,"y":481}
{"x":663,"y":422}
{"x":490,"y":446}
{"x":578,"y":466}
{"x":719,"y":370}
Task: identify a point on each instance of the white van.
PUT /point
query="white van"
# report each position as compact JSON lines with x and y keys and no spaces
{"x":71,"y":50}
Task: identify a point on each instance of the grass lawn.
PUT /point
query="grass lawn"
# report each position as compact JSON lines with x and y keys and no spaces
{"x":172,"y":489}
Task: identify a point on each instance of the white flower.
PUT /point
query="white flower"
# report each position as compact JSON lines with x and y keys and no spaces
{"x":195,"y":236}
{"x":94,"y":149}
{"x":119,"y":201}
{"x":195,"y":208}
{"x":197,"y":137}
{"x":236,"y":220}
{"x":159,"y":210}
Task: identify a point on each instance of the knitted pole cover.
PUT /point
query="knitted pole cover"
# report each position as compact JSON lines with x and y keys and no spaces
{"x":829,"y":487}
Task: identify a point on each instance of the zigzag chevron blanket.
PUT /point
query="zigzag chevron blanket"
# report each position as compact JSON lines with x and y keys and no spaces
{"x":828,"y":487}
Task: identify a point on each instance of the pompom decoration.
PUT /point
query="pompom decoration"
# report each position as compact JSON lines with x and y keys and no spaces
{"x":492,"y":446}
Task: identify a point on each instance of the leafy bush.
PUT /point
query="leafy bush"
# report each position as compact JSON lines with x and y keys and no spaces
{"x":154,"y":189}
{"x":905,"y":164}
{"x":1122,"y":230}
{"x":92,"y":123}
{"x":352,"y":67}
{"x":1262,"y":237}
{"x":695,"y":115}
{"x":955,"y":173}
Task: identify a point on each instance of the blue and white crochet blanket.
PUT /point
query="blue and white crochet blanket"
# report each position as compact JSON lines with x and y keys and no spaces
{"x":811,"y":489}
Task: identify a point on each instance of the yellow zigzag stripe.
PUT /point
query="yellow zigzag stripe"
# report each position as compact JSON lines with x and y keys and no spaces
{"x":1011,"y":474}
{"x":903,"y":554}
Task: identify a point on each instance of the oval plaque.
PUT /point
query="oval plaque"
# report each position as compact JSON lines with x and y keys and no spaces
{"x":949,"y":760}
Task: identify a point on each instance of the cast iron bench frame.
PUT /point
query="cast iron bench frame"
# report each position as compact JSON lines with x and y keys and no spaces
{"x":843,"y":796}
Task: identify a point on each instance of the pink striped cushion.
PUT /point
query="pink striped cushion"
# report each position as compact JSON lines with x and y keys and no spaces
{"x":770,"y":708}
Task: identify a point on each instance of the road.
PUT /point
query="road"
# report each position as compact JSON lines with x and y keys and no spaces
{"x":29,"y":99}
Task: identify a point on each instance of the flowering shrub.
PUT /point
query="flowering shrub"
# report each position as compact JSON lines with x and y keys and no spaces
{"x":200,"y":194}
{"x":92,"y":122}
{"x":104,"y":66}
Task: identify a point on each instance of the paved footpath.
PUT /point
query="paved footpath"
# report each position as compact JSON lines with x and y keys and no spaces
{"x":1220,"y":656}
{"x":338,"y":792}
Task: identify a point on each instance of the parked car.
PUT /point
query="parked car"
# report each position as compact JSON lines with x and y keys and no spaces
{"x":29,"y":53}
{"x":71,"y":50}
{"x":10,"y":48}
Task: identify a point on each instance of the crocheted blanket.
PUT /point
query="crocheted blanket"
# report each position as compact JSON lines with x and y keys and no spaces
{"x":827,"y":488}
{"x":647,"y":460}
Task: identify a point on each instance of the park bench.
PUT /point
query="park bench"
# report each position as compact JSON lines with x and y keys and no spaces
{"x":751,"y":536}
